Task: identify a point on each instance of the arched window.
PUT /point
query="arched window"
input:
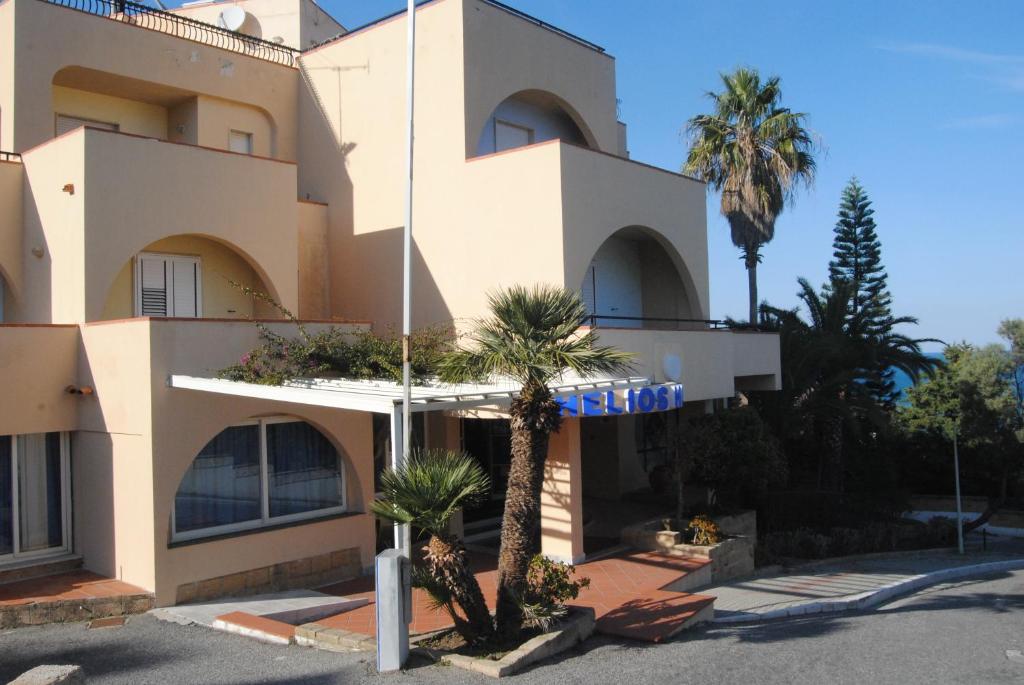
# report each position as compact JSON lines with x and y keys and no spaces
{"x":260,"y":473}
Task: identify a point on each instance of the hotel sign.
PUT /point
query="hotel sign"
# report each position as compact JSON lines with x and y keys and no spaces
{"x":652,"y":398}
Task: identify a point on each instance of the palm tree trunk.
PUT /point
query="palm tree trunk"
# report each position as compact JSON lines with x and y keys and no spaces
{"x":534,"y":416}
{"x":446,"y":556}
{"x":750,"y":260}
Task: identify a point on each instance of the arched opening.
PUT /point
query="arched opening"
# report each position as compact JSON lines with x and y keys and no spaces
{"x":189,"y":276}
{"x":634,"y":281}
{"x":259,"y":473}
{"x":528,"y":117}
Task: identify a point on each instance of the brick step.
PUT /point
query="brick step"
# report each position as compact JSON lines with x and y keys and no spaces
{"x":37,"y":568}
{"x":258,"y":627}
{"x":68,"y":597}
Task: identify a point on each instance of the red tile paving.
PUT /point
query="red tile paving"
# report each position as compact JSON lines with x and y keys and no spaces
{"x":71,"y":585}
{"x":258,"y":623}
{"x":625,"y":593}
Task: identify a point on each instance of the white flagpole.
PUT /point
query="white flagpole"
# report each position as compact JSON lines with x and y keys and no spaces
{"x":403,"y":539}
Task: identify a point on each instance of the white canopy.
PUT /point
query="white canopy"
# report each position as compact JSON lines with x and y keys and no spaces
{"x":383,"y":397}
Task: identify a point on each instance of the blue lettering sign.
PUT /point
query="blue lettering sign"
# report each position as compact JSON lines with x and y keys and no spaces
{"x":592,"y":404}
{"x":646,"y":399}
{"x":609,"y":403}
{"x":569,"y":405}
{"x":662,"y":398}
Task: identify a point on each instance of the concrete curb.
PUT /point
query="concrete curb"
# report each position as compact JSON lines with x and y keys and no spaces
{"x":872,"y":598}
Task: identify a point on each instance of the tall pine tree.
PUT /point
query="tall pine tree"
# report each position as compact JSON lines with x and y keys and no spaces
{"x":858,"y":259}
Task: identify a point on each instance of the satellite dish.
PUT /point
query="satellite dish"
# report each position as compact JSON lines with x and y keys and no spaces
{"x":232,"y":18}
{"x":672,"y":367}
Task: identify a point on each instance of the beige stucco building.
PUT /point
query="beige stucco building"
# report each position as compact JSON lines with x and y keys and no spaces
{"x":153,"y":162}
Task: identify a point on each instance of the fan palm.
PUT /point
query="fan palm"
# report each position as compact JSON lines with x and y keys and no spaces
{"x":532,"y":336}
{"x":755,"y":152}
{"x":426,"y":492}
{"x":831,"y":363}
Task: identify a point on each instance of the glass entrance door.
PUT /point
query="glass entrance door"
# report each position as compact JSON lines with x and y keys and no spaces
{"x":33,"y":495}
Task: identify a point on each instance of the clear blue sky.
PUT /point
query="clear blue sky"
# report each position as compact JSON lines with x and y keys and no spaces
{"x":924,"y":102}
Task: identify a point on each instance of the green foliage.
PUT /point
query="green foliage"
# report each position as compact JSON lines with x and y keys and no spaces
{"x":755,"y":152}
{"x":705,"y":531}
{"x":881,"y":536}
{"x":332,"y":353}
{"x":734,"y":453}
{"x":428,"y":490}
{"x":858,"y":258}
{"x":549,"y":585}
{"x":825,"y":360}
{"x":858,"y":262}
{"x":532,"y":336}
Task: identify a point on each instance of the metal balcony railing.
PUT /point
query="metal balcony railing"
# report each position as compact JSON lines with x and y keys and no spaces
{"x":9,"y":156}
{"x":182,"y":27}
{"x":662,"y":323}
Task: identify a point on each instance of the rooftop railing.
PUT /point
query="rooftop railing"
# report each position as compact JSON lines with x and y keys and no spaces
{"x":9,"y":156}
{"x":182,"y":27}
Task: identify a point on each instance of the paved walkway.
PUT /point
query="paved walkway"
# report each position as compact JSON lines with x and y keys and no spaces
{"x":625,"y":592}
{"x":62,"y":586}
{"x":826,"y":586}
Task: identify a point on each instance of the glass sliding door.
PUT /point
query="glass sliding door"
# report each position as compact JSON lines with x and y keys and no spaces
{"x":6,"y":497}
{"x":34,"y":496}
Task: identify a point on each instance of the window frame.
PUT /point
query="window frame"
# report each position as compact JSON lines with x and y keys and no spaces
{"x":249,"y":137}
{"x":65,"y":504}
{"x":531,"y":134}
{"x":195,"y":260}
{"x":265,"y":520}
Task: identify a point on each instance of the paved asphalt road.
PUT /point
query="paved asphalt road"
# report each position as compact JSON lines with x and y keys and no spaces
{"x":958,"y":633}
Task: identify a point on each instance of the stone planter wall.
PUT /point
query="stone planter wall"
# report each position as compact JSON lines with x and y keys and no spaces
{"x":733,"y":557}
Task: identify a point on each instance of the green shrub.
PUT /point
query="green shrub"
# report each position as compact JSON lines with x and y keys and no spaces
{"x":549,"y":585}
{"x":705,"y":531}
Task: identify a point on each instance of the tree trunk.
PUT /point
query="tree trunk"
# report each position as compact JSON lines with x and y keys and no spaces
{"x":534,"y":416}
{"x":446,"y":556}
{"x":751,"y":262}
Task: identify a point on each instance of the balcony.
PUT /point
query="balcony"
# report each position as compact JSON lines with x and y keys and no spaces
{"x":182,"y":27}
{"x":715,"y":363}
{"x":96,"y":199}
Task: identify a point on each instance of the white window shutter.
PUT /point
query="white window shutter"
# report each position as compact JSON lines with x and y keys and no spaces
{"x":153,"y":286}
{"x":185,"y":294}
{"x":588,"y":292}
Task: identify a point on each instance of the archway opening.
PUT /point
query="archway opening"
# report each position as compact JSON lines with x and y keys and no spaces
{"x":189,"y":276}
{"x":634,"y":282}
{"x":528,"y":117}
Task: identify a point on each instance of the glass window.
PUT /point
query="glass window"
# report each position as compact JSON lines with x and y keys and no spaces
{"x":303,"y":468}
{"x":255,"y":474}
{"x":223,"y":485}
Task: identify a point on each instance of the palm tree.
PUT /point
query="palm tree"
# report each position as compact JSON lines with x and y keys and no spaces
{"x":830,"y":364}
{"x":426,"y":492}
{"x":754,"y":151}
{"x":532,"y":336}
